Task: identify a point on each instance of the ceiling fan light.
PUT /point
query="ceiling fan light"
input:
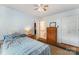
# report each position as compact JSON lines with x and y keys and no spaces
{"x":42,"y":8}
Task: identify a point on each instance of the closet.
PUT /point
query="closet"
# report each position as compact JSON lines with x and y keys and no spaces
{"x":70,"y":30}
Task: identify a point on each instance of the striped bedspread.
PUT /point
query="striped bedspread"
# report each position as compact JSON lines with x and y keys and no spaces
{"x":27,"y":46}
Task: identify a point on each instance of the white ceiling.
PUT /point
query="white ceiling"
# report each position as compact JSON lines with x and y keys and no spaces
{"x":52,"y":8}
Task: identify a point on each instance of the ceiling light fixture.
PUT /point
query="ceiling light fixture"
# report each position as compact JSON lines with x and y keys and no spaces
{"x":41,"y":7}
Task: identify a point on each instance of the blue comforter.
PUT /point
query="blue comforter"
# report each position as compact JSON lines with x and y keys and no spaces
{"x":27,"y":46}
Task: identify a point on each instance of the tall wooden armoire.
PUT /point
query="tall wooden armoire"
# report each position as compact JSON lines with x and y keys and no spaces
{"x":52,"y":35}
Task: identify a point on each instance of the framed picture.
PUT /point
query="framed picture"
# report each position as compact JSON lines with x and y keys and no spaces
{"x":52,"y":24}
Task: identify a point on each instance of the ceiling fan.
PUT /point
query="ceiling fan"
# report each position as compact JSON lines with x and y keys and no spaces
{"x":41,"y":7}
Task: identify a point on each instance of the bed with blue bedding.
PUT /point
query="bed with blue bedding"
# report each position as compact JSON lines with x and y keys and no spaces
{"x":24,"y":46}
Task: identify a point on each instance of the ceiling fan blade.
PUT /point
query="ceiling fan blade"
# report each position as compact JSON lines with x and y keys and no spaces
{"x":45,"y":5}
{"x":44,"y":9}
{"x":36,"y":9}
{"x":36,"y":5}
{"x":41,"y":7}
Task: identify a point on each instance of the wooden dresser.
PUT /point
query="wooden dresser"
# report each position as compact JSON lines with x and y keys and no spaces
{"x":52,"y":35}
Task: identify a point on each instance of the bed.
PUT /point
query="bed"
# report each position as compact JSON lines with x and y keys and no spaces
{"x":25,"y":46}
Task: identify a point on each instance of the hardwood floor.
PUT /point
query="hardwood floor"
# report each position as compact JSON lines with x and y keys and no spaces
{"x":59,"y":51}
{"x":62,"y":49}
{"x":70,"y":47}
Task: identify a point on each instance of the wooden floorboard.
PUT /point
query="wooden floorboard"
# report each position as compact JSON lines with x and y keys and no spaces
{"x":59,"y":51}
{"x":70,"y":47}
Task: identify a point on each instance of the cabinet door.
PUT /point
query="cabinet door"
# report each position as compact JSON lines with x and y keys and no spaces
{"x":70,"y":28}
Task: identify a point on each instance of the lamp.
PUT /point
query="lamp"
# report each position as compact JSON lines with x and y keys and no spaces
{"x":28,"y":30}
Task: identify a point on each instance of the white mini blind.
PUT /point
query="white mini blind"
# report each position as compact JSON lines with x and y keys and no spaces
{"x":70,"y":30}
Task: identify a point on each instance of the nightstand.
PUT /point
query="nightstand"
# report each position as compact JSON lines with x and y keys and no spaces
{"x":42,"y":40}
{"x":31,"y":36}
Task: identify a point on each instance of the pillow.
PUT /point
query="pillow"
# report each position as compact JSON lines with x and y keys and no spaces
{"x":7,"y":37}
{"x":11,"y":36}
{"x":17,"y":35}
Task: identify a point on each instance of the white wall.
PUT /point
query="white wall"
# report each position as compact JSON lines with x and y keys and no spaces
{"x":58,"y":19}
{"x":12,"y":20}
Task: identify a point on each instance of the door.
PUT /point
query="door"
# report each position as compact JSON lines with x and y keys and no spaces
{"x":42,"y":29}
